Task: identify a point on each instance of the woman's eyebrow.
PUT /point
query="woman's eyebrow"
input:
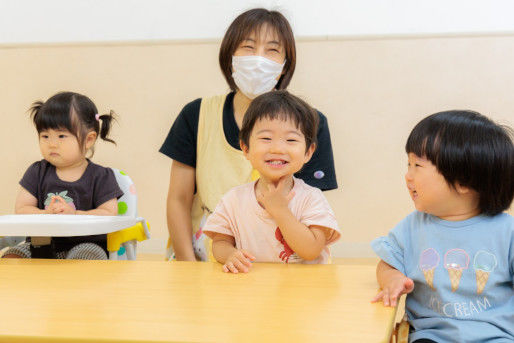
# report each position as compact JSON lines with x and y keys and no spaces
{"x":274,"y":42}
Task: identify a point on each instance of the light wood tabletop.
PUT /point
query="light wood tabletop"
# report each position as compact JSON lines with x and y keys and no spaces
{"x":147,"y":301}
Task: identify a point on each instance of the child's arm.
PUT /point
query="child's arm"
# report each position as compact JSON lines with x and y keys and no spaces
{"x":26,"y":203}
{"x":392,"y":283}
{"x":306,"y":242}
{"x":108,"y":208}
{"x":225,"y":252}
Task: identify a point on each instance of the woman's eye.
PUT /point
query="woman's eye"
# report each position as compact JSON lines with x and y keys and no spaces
{"x":62,"y":136}
{"x":292,"y":140}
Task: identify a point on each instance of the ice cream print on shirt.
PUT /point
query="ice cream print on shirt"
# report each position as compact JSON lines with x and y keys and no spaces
{"x":483,"y":264}
{"x":428,"y":262}
{"x":456,"y":262}
{"x":63,"y":195}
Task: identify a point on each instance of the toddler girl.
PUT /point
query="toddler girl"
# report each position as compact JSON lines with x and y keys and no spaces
{"x":66,"y":181}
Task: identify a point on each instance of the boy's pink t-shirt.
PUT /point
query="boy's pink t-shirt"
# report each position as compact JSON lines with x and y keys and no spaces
{"x":239,"y":215}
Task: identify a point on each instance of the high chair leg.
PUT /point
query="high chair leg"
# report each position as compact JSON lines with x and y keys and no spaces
{"x":113,"y":255}
{"x":129,"y":248}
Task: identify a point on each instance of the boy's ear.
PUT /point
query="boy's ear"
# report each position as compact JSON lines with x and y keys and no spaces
{"x":244,"y":148}
{"x":462,"y":189}
{"x":309,"y":153}
{"x":90,"y":139}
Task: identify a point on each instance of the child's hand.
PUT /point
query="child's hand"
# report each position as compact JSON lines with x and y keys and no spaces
{"x":59,"y":206}
{"x":390,"y":294}
{"x":239,"y":261}
{"x":275,"y":197}
{"x":53,"y":207}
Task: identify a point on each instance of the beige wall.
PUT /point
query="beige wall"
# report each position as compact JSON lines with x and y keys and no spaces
{"x":373,"y":92}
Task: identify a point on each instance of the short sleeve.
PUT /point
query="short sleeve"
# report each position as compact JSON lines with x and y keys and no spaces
{"x":180,"y":144}
{"x":391,"y":248}
{"x":320,"y":172}
{"x":219,"y":221}
{"x":105,"y":187}
{"x":30,"y":179}
{"x":317,"y":212}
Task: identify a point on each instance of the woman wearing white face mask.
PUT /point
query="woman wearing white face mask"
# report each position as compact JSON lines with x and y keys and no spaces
{"x":257,"y":55}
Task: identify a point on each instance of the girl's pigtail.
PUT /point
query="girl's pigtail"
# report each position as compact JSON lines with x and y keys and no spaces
{"x":34,"y":110}
{"x":105,"y":127}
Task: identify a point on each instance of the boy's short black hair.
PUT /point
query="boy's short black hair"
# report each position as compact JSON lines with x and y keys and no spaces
{"x":284,"y":106}
{"x":469,"y":149}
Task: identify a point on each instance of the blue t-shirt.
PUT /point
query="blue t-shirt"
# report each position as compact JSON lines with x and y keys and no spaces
{"x":462,"y":272}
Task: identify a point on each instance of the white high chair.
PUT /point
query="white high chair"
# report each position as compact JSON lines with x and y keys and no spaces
{"x":122,"y":244}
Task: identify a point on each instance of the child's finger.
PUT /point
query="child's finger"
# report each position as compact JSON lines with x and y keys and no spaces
{"x":290,"y":196}
{"x":60,"y":199}
{"x":240,"y":266}
{"x":377,"y":297}
{"x":231,"y":267}
{"x":243,"y":262}
{"x":248,"y":255}
{"x":408,"y":285}
{"x":225,"y":269}
{"x":385,"y":297}
{"x":393,"y":299}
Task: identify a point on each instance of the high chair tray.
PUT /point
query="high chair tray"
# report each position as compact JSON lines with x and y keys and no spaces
{"x":61,"y":225}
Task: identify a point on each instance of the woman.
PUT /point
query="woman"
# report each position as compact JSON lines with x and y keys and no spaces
{"x":257,"y":55}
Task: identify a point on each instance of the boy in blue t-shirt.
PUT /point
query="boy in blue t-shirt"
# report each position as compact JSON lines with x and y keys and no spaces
{"x":454,"y":256}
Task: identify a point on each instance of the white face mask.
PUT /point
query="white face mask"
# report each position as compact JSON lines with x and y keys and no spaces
{"x":255,"y":75}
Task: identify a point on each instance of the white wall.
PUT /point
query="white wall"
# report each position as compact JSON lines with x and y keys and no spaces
{"x":49,"y":21}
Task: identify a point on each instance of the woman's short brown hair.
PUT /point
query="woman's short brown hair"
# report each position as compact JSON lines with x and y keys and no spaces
{"x":249,"y":22}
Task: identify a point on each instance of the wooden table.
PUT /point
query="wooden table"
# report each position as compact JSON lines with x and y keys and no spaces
{"x":143,"y":301}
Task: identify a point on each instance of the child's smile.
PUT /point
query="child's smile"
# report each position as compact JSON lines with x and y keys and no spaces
{"x":276,"y":163}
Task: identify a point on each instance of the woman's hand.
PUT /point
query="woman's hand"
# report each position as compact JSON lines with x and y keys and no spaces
{"x":239,"y":261}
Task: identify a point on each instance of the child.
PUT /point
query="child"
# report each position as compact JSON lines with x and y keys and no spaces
{"x":65,"y":181}
{"x":277,"y":218}
{"x":454,"y":256}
